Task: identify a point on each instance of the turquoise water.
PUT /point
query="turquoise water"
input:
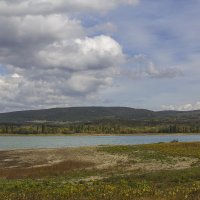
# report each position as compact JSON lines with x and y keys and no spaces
{"x":27,"y":142}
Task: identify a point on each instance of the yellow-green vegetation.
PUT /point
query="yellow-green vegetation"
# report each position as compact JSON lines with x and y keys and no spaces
{"x":158,"y":150}
{"x":164,"y":171}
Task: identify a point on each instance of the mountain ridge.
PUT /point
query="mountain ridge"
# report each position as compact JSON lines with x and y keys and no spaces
{"x":92,"y":113}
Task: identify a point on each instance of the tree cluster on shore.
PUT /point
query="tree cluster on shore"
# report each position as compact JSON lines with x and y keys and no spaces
{"x":101,"y":127}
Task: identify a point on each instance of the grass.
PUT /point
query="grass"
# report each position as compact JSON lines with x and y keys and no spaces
{"x":73,"y":181}
{"x":158,"y":151}
{"x":158,"y":185}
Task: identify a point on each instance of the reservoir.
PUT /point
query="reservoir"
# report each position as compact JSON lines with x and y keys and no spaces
{"x":29,"y":142}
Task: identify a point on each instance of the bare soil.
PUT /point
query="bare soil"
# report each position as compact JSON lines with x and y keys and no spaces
{"x":36,"y":163}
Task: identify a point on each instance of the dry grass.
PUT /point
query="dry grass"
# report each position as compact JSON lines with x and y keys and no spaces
{"x":58,"y":169}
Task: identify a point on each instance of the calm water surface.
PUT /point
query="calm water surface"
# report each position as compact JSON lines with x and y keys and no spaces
{"x":26,"y":142}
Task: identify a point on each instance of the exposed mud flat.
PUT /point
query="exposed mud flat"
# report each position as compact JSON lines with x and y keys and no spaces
{"x":35,"y":163}
{"x":45,"y":157}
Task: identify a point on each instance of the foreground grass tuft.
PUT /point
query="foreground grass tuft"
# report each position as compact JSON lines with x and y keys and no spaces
{"x":182,"y":184}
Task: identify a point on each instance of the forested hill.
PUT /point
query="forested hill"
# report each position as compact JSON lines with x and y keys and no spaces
{"x":75,"y":114}
{"x":84,"y":114}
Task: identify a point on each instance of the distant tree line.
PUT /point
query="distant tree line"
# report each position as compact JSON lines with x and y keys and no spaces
{"x":27,"y":129}
{"x":100,"y":128}
{"x":179,"y":129}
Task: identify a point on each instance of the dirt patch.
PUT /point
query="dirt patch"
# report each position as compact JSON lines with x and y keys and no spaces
{"x":155,"y":165}
{"x":48,"y":157}
{"x":54,"y":162}
{"x":61,"y":168}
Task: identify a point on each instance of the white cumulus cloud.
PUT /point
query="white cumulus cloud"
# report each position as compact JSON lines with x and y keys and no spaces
{"x":183,"y":107}
{"x":44,"y":7}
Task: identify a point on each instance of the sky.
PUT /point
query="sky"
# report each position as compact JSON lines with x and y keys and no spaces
{"x":135,"y":53}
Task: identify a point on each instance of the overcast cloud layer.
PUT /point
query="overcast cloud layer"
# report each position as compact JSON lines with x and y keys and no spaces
{"x":99,"y":52}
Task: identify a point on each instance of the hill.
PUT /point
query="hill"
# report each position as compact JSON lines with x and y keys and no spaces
{"x":75,"y":114}
{"x":85,"y":114}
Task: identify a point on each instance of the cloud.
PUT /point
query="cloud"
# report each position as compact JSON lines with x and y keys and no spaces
{"x":139,"y":66}
{"x":95,"y":53}
{"x":51,"y":58}
{"x":184,"y":107}
{"x":38,"y":28}
{"x":51,"y":62}
{"x":46,"y":7}
{"x":63,"y":73}
{"x":48,"y":57}
{"x":18,"y":92}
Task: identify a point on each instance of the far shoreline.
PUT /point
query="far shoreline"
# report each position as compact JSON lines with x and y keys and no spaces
{"x":101,"y":134}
